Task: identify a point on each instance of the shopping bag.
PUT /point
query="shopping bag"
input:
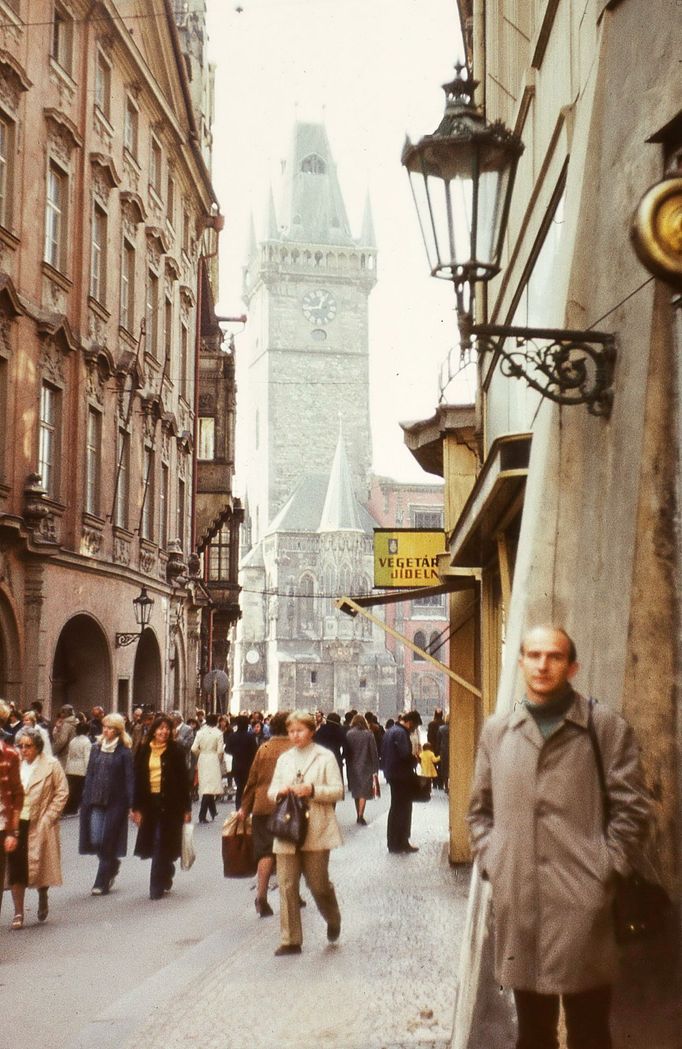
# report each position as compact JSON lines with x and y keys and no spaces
{"x":237,"y":848}
{"x":187,"y":853}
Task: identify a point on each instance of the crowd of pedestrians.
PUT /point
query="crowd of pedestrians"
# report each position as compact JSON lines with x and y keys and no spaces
{"x":110,"y":771}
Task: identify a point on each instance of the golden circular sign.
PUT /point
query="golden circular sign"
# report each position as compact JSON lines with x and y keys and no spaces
{"x":656,"y":230}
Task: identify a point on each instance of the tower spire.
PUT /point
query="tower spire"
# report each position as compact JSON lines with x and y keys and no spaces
{"x":340,"y":511}
{"x":367,"y":235}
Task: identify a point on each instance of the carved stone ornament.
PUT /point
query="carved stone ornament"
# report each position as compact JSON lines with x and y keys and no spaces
{"x":5,"y":332}
{"x":131,"y":172}
{"x":35,"y":507}
{"x":121,"y":551}
{"x":62,"y":135}
{"x":132,"y":207}
{"x":13,"y":81}
{"x":91,"y":541}
{"x":147,"y":561}
{"x":52,"y":362}
{"x":95,"y":385}
{"x":47,"y":530}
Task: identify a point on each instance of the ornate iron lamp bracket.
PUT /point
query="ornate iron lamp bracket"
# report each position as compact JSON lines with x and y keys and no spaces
{"x":568,"y":367}
{"x":126,"y":639}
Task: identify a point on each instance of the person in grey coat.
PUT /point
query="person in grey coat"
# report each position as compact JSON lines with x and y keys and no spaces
{"x":539,"y":836}
{"x":362,"y":764}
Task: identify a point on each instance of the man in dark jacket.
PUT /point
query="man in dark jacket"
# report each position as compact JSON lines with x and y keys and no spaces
{"x":330,"y":734}
{"x":398,"y":763}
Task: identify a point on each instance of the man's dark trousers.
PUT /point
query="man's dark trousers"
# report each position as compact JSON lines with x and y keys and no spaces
{"x":587,"y":1019}
{"x":399,"y":815}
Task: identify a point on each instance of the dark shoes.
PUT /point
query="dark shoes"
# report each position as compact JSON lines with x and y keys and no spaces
{"x":288,"y":948}
{"x":43,"y":909}
{"x":333,"y":931}
{"x":405,"y":849}
{"x":362,"y":821}
{"x":263,"y":907}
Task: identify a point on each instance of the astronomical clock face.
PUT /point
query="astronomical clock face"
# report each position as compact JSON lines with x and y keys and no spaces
{"x":319,"y":306}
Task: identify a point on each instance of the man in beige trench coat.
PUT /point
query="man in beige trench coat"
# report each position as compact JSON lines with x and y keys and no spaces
{"x":537,"y":827}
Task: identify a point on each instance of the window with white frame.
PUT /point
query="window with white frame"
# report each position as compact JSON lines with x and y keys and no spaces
{"x":147,"y":517}
{"x":184,"y":361}
{"x":180,"y":514}
{"x":168,"y":330}
{"x":152,"y":313}
{"x":170,"y":199}
{"x":6,"y":169}
{"x":93,"y":460}
{"x":127,"y":313}
{"x":206,"y":448}
{"x":163,"y":506}
{"x":429,"y":519}
{"x":122,"y":478}
{"x":48,"y":438}
{"x":56,"y":216}
{"x":130,"y":127}
{"x":103,"y":85}
{"x":98,"y":258}
{"x":61,"y":45}
{"x":155,"y":166}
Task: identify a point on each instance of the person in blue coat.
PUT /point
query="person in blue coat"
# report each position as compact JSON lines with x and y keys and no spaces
{"x":107,"y":802}
{"x":398,"y":764}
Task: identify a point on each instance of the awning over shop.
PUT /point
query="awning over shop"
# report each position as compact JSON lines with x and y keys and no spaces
{"x":495,"y":500}
{"x":460,"y":581}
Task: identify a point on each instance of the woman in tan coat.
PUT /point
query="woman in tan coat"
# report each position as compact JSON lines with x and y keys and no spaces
{"x":312,"y":772}
{"x":36,"y":862}
{"x":255,"y":801}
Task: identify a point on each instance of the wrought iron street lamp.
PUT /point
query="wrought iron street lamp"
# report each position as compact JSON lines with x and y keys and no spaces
{"x":462,"y":178}
{"x":142,"y":606}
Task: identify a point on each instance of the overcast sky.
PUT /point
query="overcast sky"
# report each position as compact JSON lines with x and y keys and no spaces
{"x":372,"y":70}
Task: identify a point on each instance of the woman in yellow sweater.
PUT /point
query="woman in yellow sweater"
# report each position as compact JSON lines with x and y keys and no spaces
{"x":161,"y":803}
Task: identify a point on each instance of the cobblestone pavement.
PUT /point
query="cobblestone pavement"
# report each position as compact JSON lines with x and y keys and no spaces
{"x":389,"y":983}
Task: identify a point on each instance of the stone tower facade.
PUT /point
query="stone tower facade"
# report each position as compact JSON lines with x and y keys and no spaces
{"x":307,"y":285}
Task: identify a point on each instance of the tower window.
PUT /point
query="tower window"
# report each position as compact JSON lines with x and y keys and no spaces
{"x":314,"y":164}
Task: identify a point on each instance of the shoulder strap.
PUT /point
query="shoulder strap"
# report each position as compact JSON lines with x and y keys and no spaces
{"x":592,"y":732}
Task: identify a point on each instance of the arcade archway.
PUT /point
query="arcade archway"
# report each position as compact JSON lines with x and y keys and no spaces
{"x":10,"y":654}
{"x":81,"y":669}
{"x":147,"y":672}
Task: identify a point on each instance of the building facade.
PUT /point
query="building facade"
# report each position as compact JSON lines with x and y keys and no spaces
{"x":558,"y":514}
{"x":107,"y":219}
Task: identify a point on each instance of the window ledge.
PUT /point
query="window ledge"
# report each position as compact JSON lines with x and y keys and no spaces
{"x":132,"y":160}
{"x":57,"y":276}
{"x":99,"y":308}
{"x":8,"y":238}
{"x":122,"y":533}
{"x":127,"y":336}
{"x":11,"y":15}
{"x":154,"y":196}
{"x":103,"y":119}
{"x":93,"y":520}
{"x":62,"y":73}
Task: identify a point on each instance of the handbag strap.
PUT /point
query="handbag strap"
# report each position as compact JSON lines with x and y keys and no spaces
{"x":599,"y":761}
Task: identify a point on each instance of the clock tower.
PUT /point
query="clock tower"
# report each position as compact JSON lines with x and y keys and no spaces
{"x":305,"y":362}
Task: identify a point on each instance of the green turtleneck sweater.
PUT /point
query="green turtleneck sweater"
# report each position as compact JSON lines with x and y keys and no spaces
{"x":548,"y":716}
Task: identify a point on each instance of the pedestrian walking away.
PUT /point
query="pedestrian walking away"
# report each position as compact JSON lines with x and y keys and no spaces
{"x":36,"y":861}
{"x":538,"y":834}
{"x":107,"y":802}
{"x":161,"y":803}
{"x":399,"y":762}
{"x":77,"y":757}
{"x":309,"y":771}
{"x":209,"y":747}
{"x":255,"y":801}
{"x":362,"y":765}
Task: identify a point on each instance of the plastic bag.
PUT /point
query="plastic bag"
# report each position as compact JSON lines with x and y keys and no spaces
{"x":188,"y":852}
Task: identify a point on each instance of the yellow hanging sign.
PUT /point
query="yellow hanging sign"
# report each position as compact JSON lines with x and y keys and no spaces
{"x":406,"y":557}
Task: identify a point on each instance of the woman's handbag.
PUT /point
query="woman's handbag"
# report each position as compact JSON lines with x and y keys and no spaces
{"x":641,"y":908}
{"x":187,"y":853}
{"x":237,"y":848}
{"x":376,"y":786}
{"x":289,"y":821}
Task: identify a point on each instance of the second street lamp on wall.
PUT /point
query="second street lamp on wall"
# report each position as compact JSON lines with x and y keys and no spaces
{"x":462,"y":178}
{"x":142,"y":607}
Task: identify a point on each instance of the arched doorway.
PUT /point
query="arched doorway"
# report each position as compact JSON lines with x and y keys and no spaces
{"x":10,"y":654}
{"x":81,"y":670}
{"x":147,"y":672}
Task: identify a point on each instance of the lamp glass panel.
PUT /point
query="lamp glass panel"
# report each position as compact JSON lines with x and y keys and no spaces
{"x":460,"y":193}
{"x":419,"y":192}
{"x":492,"y":188}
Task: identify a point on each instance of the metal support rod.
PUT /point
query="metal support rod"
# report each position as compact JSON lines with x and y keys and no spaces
{"x":347,"y":605}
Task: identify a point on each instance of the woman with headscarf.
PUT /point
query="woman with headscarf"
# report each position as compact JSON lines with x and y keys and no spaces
{"x":161,"y":803}
{"x":36,"y":861}
{"x":308,"y":771}
{"x":362,"y":765}
{"x":107,"y":802}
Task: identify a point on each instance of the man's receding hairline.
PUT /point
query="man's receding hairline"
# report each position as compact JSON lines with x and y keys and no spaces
{"x":554,"y":629}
